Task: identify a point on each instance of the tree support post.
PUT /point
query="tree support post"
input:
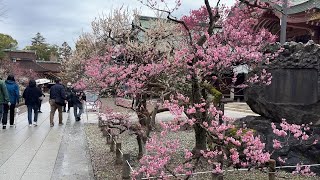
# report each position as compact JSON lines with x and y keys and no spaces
{"x":126,"y":167}
{"x":112,"y":146}
{"x":118,"y":154}
{"x":272,"y":169}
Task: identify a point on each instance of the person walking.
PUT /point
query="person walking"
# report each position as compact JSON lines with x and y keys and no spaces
{"x":4,"y":97}
{"x":77,"y":97}
{"x":41,"y":98}
{"x":69,"y":93}
{"x":31,"y":95}
{"x":13,"y":91}
{"x":65,"y":102}
{"x":57,"y":100}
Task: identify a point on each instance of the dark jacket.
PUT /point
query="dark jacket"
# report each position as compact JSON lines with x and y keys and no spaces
{"x":69,"y":95}
{"x":4,"y":97}
{"x":31,"y":94}
{"x":77,"y":96}
{"x":13,"y":90}
{"x":58,"y":93}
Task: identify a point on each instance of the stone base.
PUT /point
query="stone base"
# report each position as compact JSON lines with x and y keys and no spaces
{"x":294,"y":114}
{"x":295,"y":152}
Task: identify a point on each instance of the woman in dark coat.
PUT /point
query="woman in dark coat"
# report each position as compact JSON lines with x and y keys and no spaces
{"x":31,"y":95}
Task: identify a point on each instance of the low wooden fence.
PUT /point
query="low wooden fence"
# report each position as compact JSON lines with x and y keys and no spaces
{"x":125,"y":158}
{"x":121,"y":158}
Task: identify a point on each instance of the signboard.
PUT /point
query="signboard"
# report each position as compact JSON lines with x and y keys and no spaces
{"x":91,"y":96}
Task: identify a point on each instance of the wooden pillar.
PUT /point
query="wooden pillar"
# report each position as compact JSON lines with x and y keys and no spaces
{"x":125,"y":167}
{"x":272,"y":169}
{"x":118,"y":154}
{"x":112,"y":146}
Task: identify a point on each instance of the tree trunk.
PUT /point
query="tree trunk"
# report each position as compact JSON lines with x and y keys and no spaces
{"x":153,"y":116}
{"x":142,"y":146}
{"x":201,"y":138}
{"x":200,"y":133}
{"x":144,"y":121}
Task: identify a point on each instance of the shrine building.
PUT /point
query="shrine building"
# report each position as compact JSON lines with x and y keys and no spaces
{"x":303,"y":21}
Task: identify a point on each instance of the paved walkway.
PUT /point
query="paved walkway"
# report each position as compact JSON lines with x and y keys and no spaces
{"x":44,"y":153}
{"x":233,"y":110}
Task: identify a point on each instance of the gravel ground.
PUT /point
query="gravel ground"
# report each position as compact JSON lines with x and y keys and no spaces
{"x":103,"y":160}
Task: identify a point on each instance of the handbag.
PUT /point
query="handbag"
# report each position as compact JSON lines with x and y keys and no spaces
{"x":59,"y":101}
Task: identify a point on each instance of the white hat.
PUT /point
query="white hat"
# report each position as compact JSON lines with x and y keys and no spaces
{"x":69,"y":84}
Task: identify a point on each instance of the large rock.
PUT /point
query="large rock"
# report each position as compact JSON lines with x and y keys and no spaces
{"x":295,"y":151}
{"x":294,"y":114}
{"x":292,"y":95}
{"x":294,"y":91}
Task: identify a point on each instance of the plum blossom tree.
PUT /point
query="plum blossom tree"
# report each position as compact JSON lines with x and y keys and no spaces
{"x":211,"y":55}
{"x":174,"y":65}
{"x":146,"y":69}
{"x":72,"y":70}
{"x":135,"y":63}
{"x":94,"y":44}
{"x":8,"y":67}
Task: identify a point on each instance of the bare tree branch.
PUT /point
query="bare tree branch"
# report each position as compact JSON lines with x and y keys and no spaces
{"x":213,"y":19}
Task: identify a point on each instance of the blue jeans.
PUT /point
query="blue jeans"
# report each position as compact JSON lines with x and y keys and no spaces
{"x":1,"y":112}
{"x":35,"y":109}
{"x":75,"y":110}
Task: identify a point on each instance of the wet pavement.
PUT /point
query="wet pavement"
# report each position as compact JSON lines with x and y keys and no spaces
{"x":60,"y":152}
{"x":42,"y":152}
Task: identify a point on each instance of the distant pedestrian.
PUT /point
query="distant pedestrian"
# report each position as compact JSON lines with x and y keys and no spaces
{"x":14,"y":95}
{"x":31,"y":95}
{"x":77,"y":97}
{"x":41,"y":98}
{"x":57,"y":100}
{"x":69,"y":92}
{"x":4,"y":98}
{"x":65,"y":103}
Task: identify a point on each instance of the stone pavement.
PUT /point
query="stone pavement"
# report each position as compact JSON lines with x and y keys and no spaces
{"x":60,"y":152}
{"x":44,"y":153}
{"x":239,"y":107}
{"x":233,"y":110}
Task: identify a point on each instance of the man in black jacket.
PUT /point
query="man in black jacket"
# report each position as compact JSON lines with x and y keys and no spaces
{"x":77,"y":98}
{"x":57,"y":99}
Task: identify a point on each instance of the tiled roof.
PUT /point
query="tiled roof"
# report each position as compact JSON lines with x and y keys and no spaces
{"x":27,"y":64}
{"x":299,"y":6}
{"x":21,"y":54}
{"x":50,"y":66}
{"x":296,"y":2}
{"x":23,"y":51}
{"x":27,"y":60}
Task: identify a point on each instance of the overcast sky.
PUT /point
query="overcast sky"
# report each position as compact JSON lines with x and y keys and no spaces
{"x":64,"y":20}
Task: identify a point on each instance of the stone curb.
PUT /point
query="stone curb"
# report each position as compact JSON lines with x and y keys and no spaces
{"x":240,"y":110}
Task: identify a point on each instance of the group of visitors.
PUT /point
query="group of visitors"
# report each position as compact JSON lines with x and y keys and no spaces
{"x":33,"y":95}
{"x":59,"y":97}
